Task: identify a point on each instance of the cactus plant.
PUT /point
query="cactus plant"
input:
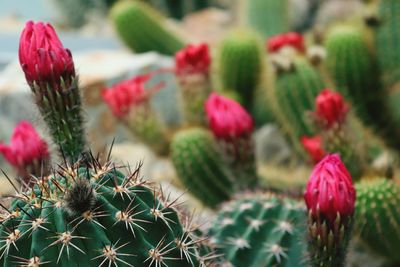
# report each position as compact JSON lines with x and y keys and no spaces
{"x":295,"y":91}
{"x":94,"y":216}
{"x":261,"y":230}
{"x":378,"y":217}
{"x":387,"y":39}
{"x":200,"y":166}
{"x":241,"y":64}
{"x":268,"y":17}
{"x":355,"y":72}
{"x":141,"y":28}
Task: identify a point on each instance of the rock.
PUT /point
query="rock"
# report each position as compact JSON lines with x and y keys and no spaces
{"x":271,"y":146}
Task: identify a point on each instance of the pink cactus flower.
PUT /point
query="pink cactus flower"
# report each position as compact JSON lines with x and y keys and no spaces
{"x":330,"y":190}
{"x":331,"y":108}
{"x":293,"y":39}
{"x":26,"y":147}
{"x":193,"y":59}
{"x":227,"y":118}
{"x":43,"y":57}
{"x":314,"y":147}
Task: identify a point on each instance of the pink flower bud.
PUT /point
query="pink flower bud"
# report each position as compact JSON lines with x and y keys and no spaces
{"x":293,"y":39}
{"x":193,"y":59}
{"x":227,"y":118}
{"x":43,"y":57}
{"x":123,"y":96}
{"x":25,"y":148}
{"x":330,"y":191}
{"x":314,"y":147}
{"x":331,"y":108}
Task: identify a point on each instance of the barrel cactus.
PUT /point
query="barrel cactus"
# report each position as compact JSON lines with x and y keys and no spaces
{"x":261,"y":230}
{"x":141,"y":28}
{"x":90,"y":214}
{"x":200,"y":166}
{"x":378,"y":217}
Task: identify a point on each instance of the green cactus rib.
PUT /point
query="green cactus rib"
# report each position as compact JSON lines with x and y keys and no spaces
{"x":141,"y":29}
{"x":62,"y":113}
{"x":268,"y":17}
{"x":200,"y":166}
{"x":388,"y":40}
{"x":95,"y":216}
{"x":261,"y":230}
{"x":356,"y":75}
{"x":378,"y":217}
{"x":241,"y":64}
{"x":295,"y":92}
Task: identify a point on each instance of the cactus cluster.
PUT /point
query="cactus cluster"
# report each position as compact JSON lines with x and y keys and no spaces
{"x":261,"y":230}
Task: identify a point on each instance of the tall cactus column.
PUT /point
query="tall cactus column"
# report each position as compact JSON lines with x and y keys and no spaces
{"x":192,"y":71}
{"x":50,"y":72}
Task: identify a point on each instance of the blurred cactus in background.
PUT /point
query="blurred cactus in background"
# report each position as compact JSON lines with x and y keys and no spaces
{"x":192,"y":71}
{"x":130,"y":102}
{"x":142,"y":29}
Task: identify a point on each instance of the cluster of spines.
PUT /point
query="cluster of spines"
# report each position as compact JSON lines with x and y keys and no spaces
{"x":141,"y":29}
{"x":378,"y":216}
{"x":200,"y":166}
{"x":93,"y":214}
{"x":261,"y":230}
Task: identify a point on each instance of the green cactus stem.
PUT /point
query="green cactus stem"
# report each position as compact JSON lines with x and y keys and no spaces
{"x":261,"y":230}
{"x":356,"y":75}
{"x":141,"y":28}
{"x":295,"y":90}
{"x":200,"y":166}
{"x":241,"y":64}
{"x":95,"y":216}
{"x":378,"y":217}
{"x":268,"y":17}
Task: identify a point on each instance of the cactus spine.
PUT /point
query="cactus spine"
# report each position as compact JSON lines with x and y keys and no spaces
{"x":200,"y":166}
{"x":261,"y":230}
{"x":241,"y":64}
{"x":295,"y":91}
{"x":141,"y":28}
{"x":268,"y":17}
{"x":94,"y":216}
{"x":387,"y":40}
{"x":378,"y":216}
{"x":355,"y":72}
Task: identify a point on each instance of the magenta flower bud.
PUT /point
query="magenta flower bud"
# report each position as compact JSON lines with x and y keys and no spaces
{"x":43,"y":57}
{"x":50,"y":72}
{"x":193,"y":59}
{"x":330,"y":199}
{"x":331,"y":108}
{"x":227,"y":118}
{"x":26,"y":152}
{"x":233,"y":127}
{"x":314,"y":147}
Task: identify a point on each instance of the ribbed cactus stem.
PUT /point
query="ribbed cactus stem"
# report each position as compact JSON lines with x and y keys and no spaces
{"x":260,"y":231}
{"x":241,"y":64}
{"x":378,"y":217}
{"x":200,"y":166}
{"x":141,"y":28}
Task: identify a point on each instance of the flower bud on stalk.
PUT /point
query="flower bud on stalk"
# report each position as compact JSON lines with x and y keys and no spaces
{"x":129,"y":101}
{"x":232,"y":126}
{"x":330,"y":198}
{"x":50,"y":72}
{"x":314,"y":147}
{"x":28,"y":153}
{"x":192,"y":71}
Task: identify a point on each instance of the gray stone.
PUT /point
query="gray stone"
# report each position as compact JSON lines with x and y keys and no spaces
{"x":271,"y":146}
